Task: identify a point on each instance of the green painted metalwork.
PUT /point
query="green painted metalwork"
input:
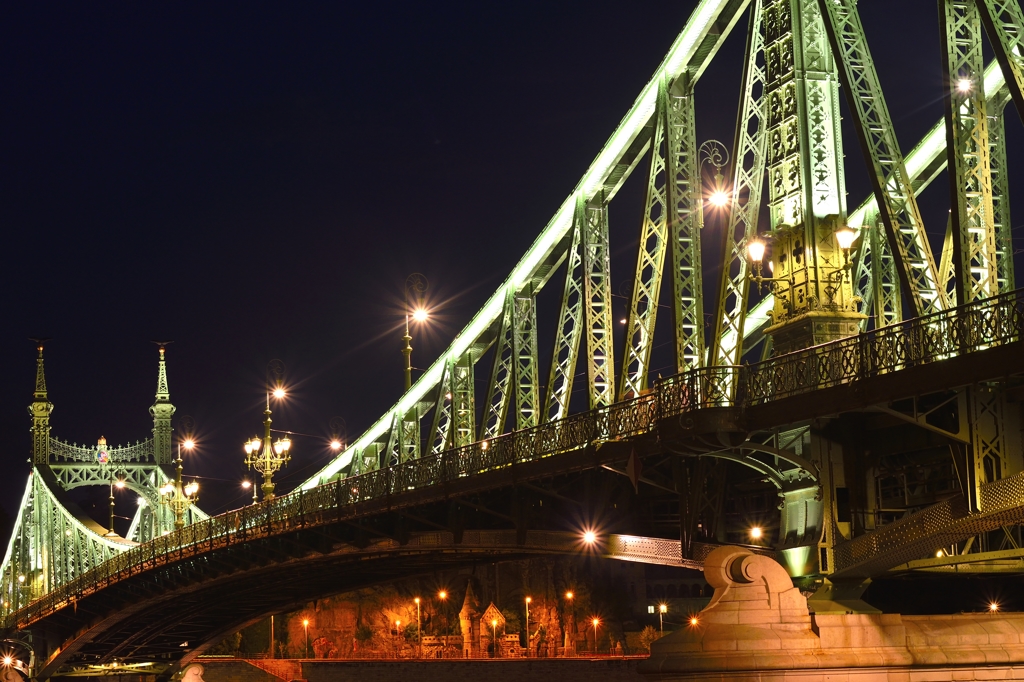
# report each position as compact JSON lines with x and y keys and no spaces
{"x":1001,"y":195}
{"x":967,"y":150}
{"x":570,"y":325}
{"x":1004,"y":23}
{"x":598,"y":295}
{"x":162,"y":411}
{"x":650,"y":263}
{"x":463,"y":429}
{"x":888,"y":304}
{"x":748,"y":158}
{"x":40,"y":409}
{"x":498,"y":394}
{"x":890,"y":180}
{"x":686,"y":218}
{"x":524,"y":350}
{"x":442,"y":422}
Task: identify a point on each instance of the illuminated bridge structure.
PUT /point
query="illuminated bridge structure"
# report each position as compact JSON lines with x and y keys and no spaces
{"x":857,"y":397}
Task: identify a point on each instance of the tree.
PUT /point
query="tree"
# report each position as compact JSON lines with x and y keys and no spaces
{"x":647,"y":637}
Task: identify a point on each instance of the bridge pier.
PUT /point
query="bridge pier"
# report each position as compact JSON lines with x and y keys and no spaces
{"x":759,"y":626}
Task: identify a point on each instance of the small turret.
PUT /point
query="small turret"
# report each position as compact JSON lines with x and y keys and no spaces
{"x":40,"y":411}
{"x":162,"y":411}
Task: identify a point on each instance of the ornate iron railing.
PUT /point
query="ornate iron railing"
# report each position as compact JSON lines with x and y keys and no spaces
{"x":66,"y":452}
{"x":967,"y":329}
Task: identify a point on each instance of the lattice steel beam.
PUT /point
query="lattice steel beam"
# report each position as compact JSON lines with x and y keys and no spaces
{"x":570,"y":326}
{"x":1004,"y":23}
{"x":650,"y":263}
{"x":1001,"y":196}
{"x":463,"y":430}
{"x":498,"y":394}
{"x":967,"y":151}
{"x":686,"y":218}
{"x":597,"y":290}
{"x":442,"y":421}
{"x":889,"y":178}
{"x":888,"y":305}
{"x":748,"y":158}
{"x":524,"y":345}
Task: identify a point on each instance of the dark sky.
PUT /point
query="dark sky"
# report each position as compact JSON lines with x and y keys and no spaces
{"x":256,"y":181}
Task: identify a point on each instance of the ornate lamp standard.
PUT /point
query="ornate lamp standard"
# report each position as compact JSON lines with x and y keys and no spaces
{"x":267,"y":456}
{"x":178,"y":497}
{"x":417,"y":284}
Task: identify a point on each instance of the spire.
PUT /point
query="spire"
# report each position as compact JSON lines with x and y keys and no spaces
{"x":162,"y":411}
{"x":40,"y":410}
{"x":163,"y":394}
{"x":40,"y":392}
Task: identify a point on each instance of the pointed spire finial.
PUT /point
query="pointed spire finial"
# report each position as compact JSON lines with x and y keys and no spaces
{"x":163,"y":393}
{"x":40,"y":392}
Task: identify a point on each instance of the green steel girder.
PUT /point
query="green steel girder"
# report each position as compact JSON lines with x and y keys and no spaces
{"x":705,"y":31}
{"x":442,"y":421}
{"x":748,"y":158}
{"x":967,"y":151}
{"x":498,"y":394}
{"x":49,"y":545}
{"x":888,"y":305}
{"x":597,"y":292}
{"x":686,"y":218}
{"x":570,"y":326}
{"x":463,"y":431}
{"x":890,"y":180}
{"x":650,"y":262}
{"x":1001,"y":196}
{"x":524,"y":350}
{"x":1004,"y":23}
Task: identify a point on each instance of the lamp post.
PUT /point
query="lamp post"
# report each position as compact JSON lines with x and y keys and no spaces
{"x":570,"y":625}
{"x":114,"y":483}
{"x":662,"y":610}
{"x":305,"y":627}
{"x":494,"y":636}
{"x":267,"y":456}
{"x":419,"y":633}
{"x":443,"y":596}
{"x":595,"y":622}
{"x":417,"y":284}
{"x":177,"y":496}
{"x":528,"y":600}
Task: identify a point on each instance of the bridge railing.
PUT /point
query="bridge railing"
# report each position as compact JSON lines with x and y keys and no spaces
{"x":967,"y":329}
{"x":923,"y":340}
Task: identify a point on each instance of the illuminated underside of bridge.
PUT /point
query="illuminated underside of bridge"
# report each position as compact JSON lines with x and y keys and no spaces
{"x":859,"y":394}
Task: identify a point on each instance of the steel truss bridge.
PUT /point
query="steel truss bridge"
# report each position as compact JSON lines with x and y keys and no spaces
{"x":863,"y":401}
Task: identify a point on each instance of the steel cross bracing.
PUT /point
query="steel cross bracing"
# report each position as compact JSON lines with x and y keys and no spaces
{"x":597,"y":290}
{"x":643,"y":308}
{"x":891,"y":182}
{"x":685,"y":220}
{"x":1004,"y":22}
{"x":570,"y":325}
{"x":1001,"y":194}
{"x":748,"y":158}
{"x":967,"y":147}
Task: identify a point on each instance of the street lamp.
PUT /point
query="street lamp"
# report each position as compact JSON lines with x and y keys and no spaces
{"x":417,"y":284}
{"x":528,"y":600}
{"x":419,"y":634}
{"x":265,"y":456}
{"x":756,"y":533}
{"x":114,"y":483}
{"x":305,"y":626}
{"x":662,"y":610}
{"x":595,"y":622}
{"x":177,"y":496}
{"x":494,"y":636}
{"x":443,"y":596}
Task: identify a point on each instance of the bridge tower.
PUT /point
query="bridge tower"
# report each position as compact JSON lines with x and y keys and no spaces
{"x":40,"y":410}
{"x":814,"y":301}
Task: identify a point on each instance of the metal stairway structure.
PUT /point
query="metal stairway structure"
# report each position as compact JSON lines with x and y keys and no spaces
{"x":872,"y":395}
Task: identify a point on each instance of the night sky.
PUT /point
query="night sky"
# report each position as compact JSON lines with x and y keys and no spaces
{"x":256,"y":181}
